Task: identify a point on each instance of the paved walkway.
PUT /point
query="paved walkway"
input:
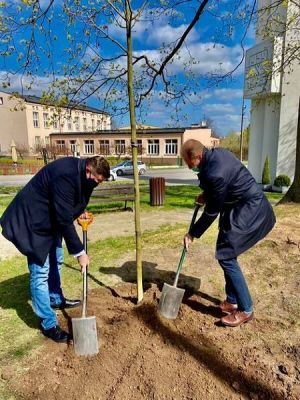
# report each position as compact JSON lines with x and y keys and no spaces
{"x":117,"y":224}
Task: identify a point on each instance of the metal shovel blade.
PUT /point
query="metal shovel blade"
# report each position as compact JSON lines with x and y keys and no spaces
{"x":85,"y":336}
{"x":170,"y":300}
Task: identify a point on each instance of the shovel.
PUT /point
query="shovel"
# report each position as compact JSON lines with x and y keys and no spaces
{"x":171,"y":296}
{"x":84,"y":328}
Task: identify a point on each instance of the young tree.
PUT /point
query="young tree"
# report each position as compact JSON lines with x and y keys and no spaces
{"x":100,"y":59}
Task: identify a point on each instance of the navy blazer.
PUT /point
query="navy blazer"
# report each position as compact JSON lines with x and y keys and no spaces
{"x":246,"y":216}
{"x":46,"y":208}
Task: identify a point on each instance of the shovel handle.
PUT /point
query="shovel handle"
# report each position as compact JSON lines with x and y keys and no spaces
{"x":183,"y":254}
{"x":85,"y":281}
{"x":85,"y":220}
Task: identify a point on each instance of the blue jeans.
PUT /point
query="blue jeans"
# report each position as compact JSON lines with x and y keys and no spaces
{"x":236,"y":288}
{"x":45,"y":285}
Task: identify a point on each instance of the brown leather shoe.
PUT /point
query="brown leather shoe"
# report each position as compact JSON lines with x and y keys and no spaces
{"x":236,"y":318}
{"x":227,"y":307}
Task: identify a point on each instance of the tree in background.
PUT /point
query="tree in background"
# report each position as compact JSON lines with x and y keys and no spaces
{"x":231,"y":142}
{"x":266,"y":176}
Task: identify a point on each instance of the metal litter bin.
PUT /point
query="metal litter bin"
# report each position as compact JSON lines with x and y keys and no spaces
{"x":157,"y":191}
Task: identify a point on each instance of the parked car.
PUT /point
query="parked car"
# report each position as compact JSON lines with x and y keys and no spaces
{"x":126,"y":168}
{"x":113,"y":176}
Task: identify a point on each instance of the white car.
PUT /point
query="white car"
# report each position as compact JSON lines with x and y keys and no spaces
{"x":126,"y":168}
{"x":113,"y":176}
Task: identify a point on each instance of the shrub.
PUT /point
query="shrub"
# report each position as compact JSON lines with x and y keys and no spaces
{"x":282,"y":180}
{"x":266,"y":177}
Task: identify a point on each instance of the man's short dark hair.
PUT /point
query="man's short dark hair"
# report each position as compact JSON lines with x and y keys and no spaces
{"x":99,"y":165}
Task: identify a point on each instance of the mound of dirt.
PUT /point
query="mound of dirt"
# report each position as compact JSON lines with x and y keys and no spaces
{"x":144,"y":356}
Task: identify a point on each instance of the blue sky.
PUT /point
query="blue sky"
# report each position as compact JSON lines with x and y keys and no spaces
{"x":212,"y":49}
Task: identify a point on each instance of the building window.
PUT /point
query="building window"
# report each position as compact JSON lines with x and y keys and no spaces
{"x":73,"y":146}
{"x":89,"y":147}
{"x":69,"y":124}
{"x":171,"y":146}
{"x":76,"y":121}
{"x":120,"y":146}
{"x":98,"y":124}
{"x":47,"y":140}
{"x":84,"y":124}
{"x":153,"y":146}
{"x":61,"y":145}
{"x":140,"y":147}
{"x":55,"y":121}
{"x":46,"y":120}
{"x":37,"y":140}
{"x":93,"y":124}
{"x":104,"y":147}
{"x":35,"y":116}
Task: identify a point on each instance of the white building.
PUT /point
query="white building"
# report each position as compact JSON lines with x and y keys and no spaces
{"x":29,"y":123}
{"x":272,"y":82}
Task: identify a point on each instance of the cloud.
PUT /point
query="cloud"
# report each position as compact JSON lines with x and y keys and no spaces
{"x":223,"y":108}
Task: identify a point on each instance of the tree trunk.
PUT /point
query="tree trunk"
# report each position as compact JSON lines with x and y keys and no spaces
{"x":138,"y":234}
{"x":293,"y":194}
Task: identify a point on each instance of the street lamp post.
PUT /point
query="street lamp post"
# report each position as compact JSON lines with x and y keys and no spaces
{"x":242,"y":123}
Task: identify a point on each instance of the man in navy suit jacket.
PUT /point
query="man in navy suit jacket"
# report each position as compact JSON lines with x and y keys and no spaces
{"x":246,"y":216}
{"x":39,"y":217}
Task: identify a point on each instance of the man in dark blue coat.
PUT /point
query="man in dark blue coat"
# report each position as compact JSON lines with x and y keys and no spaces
{"x":246,"y":216}
{"x":39,"y":217}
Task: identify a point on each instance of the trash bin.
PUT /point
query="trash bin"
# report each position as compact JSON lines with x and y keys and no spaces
{"x":157,"y":191}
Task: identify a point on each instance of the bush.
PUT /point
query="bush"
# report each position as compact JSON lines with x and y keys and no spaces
{"x":266,"y":177}
{"x":282,"y":180}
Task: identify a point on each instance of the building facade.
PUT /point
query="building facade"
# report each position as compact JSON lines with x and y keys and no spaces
{"x":29,"y":123}
{"x":273,"y":85}
{"x":160,"y":146}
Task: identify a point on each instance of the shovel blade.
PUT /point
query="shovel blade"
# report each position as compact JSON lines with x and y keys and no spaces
{"x":170,"y":300}
{"x":85,"y":336}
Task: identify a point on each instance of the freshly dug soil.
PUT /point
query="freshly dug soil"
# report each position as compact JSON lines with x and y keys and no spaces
{"x":145,"y":356}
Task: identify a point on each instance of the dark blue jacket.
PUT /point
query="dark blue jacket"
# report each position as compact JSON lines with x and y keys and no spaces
{"x":246,"y":216}
{"x":46,"y":208}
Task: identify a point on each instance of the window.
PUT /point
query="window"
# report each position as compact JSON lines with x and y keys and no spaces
{"x":73,"y":146}
{"x":37,"y":140}
{"x":70,"y":127}
{"x":77,"y":125}
{"x":93,"y":124}
{"x":46,"y":120}
{"x":61,"y":145}
{"x":47,"y":140}
{"x":120,"y":146}
{"x":55,"y":121}
{"x":104,"y":146}
{"x":84,"y":124}
{"x":171,"y":146}
{"x":35,"y":116}
{"x":140,"y":147}
{"x":153,"y":146}
{"x":98,"y":124}
{"x":89,"y":147}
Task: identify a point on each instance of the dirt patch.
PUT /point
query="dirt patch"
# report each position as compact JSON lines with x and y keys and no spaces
{"x":145,"y":356}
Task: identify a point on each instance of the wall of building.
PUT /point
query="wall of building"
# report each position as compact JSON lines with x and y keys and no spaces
{"x":201,"y":134}
{"x":273,"y":124}
{"x":13,"y":124}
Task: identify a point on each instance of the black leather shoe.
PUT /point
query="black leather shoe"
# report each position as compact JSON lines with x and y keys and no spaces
{"x":66,"y":304}
{"x":57,"y":334}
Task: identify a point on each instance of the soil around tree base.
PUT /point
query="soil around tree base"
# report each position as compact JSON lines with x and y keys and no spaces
{"x":145,"y":356}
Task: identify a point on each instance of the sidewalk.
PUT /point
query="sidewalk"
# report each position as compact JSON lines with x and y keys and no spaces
{"x":116,"y":224}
